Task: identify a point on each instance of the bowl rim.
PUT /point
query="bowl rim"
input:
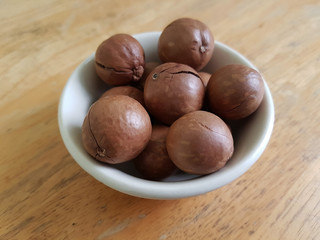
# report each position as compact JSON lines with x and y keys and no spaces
{"x":138,"y":187}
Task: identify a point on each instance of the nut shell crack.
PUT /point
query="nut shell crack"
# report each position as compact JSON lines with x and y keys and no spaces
{"x":208,"y":128}
{"x":113,"y":69}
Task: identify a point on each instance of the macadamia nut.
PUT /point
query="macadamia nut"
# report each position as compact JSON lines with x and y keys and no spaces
{"x":116,"y":129}
{"x":188,"y":41}
{"x":119,"y":60}
{"x":172,"y":90}
{"x":199,"y":143}
{"x":235,"y":91}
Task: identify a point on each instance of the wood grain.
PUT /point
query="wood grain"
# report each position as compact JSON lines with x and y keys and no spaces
{"x":44,"y":194}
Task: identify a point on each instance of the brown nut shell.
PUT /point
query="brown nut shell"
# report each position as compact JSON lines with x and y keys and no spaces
{"x":129,"y":91}
{"x":119,"y":60}
{"x":199,"y":143}
{"x":172,"y":90}
{"x":235,"y":91}
{"x":188,"y":41}
{"x":116,"y":129}
{"x":154,"y":162}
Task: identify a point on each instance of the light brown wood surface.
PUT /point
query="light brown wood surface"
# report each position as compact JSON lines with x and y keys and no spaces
{"x":44,"y":194}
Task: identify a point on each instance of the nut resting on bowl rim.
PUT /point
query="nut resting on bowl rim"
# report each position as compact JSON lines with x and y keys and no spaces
{"x":79,"y":93}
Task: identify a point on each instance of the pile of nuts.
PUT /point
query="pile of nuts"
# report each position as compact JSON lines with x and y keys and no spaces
{"x":168,"y":116}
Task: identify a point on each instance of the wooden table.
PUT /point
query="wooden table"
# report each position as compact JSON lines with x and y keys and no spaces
{"x":44,"y":194}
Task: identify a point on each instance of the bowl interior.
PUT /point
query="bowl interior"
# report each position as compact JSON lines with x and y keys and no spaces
{"x":84,"y":87}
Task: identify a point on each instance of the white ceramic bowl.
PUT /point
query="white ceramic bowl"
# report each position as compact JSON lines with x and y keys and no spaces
{"x":84,"y":87}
